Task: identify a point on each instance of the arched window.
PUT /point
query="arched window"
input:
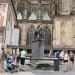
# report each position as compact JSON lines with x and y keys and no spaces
{"x":45,"y":13}
{"x":33,"y":13}
{"x":47,"y":34}
{"x":30,"y":35}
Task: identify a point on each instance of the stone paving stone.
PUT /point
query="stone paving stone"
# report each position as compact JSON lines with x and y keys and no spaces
{"x":30,"y":71}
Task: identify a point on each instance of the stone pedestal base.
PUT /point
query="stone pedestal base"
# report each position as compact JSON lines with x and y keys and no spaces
{"x":37,"y":50}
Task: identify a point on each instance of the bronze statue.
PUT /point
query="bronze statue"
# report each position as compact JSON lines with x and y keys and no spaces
{"x":38,"y":34}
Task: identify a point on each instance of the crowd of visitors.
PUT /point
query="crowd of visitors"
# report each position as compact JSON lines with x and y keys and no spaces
{"x":67,"y":58}
{"x":11,"y":63}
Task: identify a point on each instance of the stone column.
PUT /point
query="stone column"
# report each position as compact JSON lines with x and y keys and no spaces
{"x":23,"y":28}
{"x":56,"y":32}
{"x":37,"y":50}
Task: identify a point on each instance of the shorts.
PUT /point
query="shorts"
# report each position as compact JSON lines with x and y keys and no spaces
{"x":72,"y":60}
{"x":22,"y":61}
{"x":65,"y":61}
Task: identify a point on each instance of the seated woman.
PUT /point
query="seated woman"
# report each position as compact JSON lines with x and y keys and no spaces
{"x":11,"y":64}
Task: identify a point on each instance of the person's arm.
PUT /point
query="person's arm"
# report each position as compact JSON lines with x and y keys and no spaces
{"x":25,"y":53}
{"x":50,"y":53}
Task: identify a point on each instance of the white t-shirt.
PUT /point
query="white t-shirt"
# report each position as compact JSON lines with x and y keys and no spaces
{"x":23,"y":54}
{"x":66,"y":57}
{"x":62,"y":54}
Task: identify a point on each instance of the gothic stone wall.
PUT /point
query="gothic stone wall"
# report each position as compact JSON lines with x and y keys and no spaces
{"x":28,"y":27}
{"x":64,"y":32}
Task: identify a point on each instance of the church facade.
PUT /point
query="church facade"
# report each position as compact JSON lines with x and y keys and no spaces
{"x":56,"y":18}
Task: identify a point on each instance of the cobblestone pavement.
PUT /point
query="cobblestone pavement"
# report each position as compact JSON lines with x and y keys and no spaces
{"x":41,"y":72}
{"x":30,"y":71}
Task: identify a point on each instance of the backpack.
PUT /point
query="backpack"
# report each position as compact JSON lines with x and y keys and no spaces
{"x":57,"y":54}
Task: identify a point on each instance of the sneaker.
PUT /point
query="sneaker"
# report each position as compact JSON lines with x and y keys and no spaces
{"x":65,"y":70}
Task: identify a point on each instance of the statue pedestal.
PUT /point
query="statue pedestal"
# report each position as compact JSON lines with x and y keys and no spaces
{"x":37,"y":50}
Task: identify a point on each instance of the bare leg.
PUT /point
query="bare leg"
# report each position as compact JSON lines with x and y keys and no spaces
{"x":65,"y":66}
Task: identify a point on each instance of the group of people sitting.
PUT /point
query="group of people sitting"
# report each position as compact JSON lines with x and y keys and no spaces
{"x":11,"y":63}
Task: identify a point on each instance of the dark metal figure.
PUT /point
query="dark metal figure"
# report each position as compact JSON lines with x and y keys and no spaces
{"x":38,"y":34}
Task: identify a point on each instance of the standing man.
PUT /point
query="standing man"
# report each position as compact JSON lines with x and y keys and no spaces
{"x":22,"y":59}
